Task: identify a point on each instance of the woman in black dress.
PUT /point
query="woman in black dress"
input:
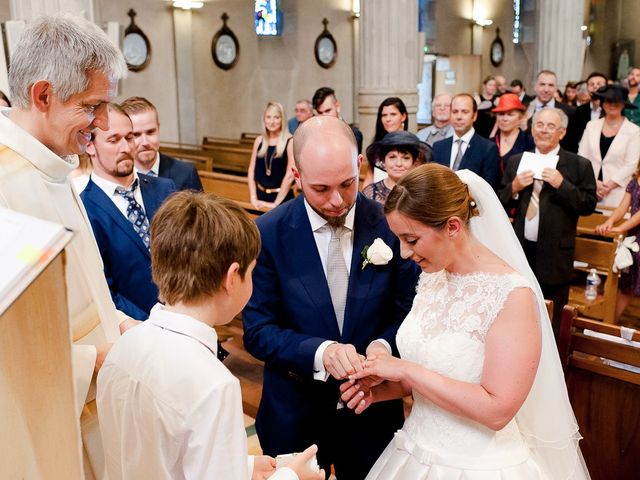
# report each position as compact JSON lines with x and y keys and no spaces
{"x":269,"y":174}
{"x":392,"y":117}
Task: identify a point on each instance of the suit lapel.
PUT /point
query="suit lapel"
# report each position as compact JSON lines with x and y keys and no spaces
{"x":101,"y":202}
{"x":467,"y":153}
{"x":448,"y":146}
{"x":150,"y":197}
{"x":304,"y":254}
{"x":164,"y":169}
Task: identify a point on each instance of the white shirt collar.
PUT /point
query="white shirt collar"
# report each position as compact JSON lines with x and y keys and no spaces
{"x":53,"y":166}
{"x":317,"y":222}
{"x":184,"y":325}
{"x":107,"y":185}
{"x":552,"y":152}
{"x":550,"y":104}
{"x":155,"y":168}
{"x":466,"y":138}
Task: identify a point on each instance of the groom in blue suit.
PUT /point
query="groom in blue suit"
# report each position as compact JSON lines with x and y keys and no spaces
{"x":123,"y":244}
{"x":466,"y":149}
{"x":316,"y":312}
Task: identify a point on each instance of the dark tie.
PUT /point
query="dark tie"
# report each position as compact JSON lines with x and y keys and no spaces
{"x":458,"y":159}
{"x":135,"y":213}
{"x":151,"y":173}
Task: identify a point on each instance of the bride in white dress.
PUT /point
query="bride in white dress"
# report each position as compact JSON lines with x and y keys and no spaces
{"x":477,"y":349}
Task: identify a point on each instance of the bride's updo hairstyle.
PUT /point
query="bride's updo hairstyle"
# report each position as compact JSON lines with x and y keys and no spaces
{"x":431,"y":194}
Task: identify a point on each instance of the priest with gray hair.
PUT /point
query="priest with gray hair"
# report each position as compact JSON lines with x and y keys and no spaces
{"x":63,"y":73}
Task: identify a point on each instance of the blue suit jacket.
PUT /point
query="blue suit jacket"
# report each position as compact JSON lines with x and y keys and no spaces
{"x":127,"y":263}
{"x":481,"y":157}
{"x":183,"y":174}
{"x":290,"y":314}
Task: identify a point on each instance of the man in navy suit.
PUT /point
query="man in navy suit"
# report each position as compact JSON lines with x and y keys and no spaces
{"x":466,"y":149}
{"x":545,"y":87}
{"x":120,"y":205}
{"x":316,"y":312}
{"x":148,"y":159}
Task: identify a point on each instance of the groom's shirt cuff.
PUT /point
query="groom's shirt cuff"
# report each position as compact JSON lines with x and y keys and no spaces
{"x":319,"y":372}
{"x":385,"y":343}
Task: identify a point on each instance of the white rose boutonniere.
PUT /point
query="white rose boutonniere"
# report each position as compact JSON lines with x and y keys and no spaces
{"x":378,"y":253}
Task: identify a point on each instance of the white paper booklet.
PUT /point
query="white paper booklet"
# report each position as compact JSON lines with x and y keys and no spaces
{"x":25,"y":241}
{"x":536,"y":163}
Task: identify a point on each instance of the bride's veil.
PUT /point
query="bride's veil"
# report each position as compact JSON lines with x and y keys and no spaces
{"x":546,"y":419}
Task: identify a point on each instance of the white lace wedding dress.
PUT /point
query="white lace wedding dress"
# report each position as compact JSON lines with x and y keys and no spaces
{"x":445,"y":331}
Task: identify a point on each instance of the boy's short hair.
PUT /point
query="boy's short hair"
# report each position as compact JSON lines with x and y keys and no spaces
{"x":195,"y":237}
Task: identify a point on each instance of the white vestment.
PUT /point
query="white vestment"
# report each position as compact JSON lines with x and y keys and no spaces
{"x":34,"y":181}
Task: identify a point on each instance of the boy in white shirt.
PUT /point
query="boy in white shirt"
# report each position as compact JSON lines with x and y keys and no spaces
{"x":168,"y":408}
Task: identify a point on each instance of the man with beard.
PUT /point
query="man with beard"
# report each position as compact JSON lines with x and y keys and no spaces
{"x":318,"y":307}
{"x":634,"y":82}
{"x":120,"y":204}
{"x":148,"y":159}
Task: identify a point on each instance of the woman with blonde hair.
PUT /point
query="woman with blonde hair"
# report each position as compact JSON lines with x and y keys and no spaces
{"x":269,"y":172}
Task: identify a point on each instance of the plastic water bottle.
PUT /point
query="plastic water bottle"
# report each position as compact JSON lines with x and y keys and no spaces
{"x":593,"y":280}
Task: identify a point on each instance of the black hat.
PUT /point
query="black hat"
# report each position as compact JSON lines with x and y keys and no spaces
{"x":615,"y":93}
{"x":401,"y":140}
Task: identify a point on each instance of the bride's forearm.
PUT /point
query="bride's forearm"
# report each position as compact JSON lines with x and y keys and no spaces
{"x":390,"y":391}
{"x":470,"y":400}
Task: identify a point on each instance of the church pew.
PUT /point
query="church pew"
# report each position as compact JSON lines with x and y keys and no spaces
{"x":233,"y":187}
{"x":249,"y":138}
{"x":597,"y":252}
{"x":604,"y":397}
{"x":229,"y":158}
{"x":220,"y":140}
{"x":198,"y":160}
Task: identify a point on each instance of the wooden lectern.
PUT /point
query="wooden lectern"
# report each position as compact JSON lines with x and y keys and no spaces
{"x":39,"y":428}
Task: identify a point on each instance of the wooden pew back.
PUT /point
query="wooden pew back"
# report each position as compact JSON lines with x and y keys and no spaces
{"x":229,"y":158}
{"x":233,"y":187}
{"x":605,"y":398}
{"x":598,"y":252}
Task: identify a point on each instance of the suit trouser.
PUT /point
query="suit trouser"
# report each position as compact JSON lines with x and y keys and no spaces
{"x":558,"y":293}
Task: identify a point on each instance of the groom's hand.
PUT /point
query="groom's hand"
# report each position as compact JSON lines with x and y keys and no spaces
{"x":342,"y":360}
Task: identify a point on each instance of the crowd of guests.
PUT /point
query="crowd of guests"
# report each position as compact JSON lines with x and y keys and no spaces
{"x":437,"y":276}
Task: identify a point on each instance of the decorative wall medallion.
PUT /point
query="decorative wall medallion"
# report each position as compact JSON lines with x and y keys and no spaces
{"x":325,"y":48}
{"x":135,"y":46}
{"x":497,"y":50}
{"x":225,"y":47}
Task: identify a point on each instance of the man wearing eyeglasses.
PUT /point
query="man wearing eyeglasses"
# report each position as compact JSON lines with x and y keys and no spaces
{"x":547,"y":206}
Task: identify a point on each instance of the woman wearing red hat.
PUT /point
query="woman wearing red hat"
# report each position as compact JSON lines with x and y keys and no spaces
{"x":509,"y":138}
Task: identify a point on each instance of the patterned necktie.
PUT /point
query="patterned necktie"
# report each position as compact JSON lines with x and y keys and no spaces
{"x":151,"y":173}
{"x":135,"y":213}
{"x":337,"y":276}
{"x":534,"y":203}
{"x":458,"y":159}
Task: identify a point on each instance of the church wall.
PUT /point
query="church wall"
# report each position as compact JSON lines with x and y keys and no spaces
{"x":157,"y":81}
{"x":281,"y":68}
{"x":453,"y":19}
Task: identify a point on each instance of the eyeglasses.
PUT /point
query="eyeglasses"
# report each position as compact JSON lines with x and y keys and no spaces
{"x":549,"y":127}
